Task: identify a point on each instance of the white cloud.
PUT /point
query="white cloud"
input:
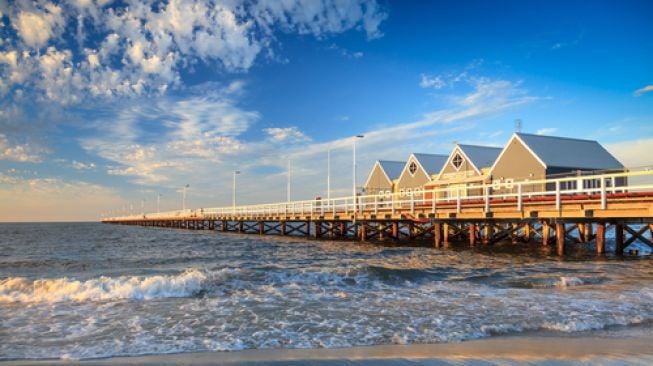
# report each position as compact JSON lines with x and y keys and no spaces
{"x":78,"y":165}
{"x":24,"y":153}
{"x":286,"y":134}
{"x":640,"y":92}
{"x":434,"y":82}
{"x":546,"y":131}
{"x":199,"y":129}
{"x":632,"y":153}
{"x":37,"y":26}
{"x":145,"y":45}
{"x":53,"y":199}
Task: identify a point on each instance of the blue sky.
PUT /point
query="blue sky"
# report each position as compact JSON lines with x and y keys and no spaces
{"x":106,"y":103}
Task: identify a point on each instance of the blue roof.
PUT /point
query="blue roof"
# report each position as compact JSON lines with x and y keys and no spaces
{"x":392,"y":168}
{"x":481,"y":156}
{"x":432,"y":163}
{"x":564,"y":152}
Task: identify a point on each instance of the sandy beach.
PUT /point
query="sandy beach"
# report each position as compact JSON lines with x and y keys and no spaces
{"x":630,"y":346}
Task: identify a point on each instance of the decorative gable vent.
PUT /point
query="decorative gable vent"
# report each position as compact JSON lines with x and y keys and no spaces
{"x":457,"y":161}
{"x":412,"y":168}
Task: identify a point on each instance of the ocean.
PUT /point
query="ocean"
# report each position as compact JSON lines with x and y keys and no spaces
{"x":88,"y":290}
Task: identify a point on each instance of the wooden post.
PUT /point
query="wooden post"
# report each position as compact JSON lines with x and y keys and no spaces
{"x":411,"y":230}
{"x":437,"y":234}
{"x":472,"y":234}
{"x":363,"y":231}
{"x":355,"y":228}
{"x":283,"y":228}
{"x":515,"y":233}
{"x":560,"y":238}
{"x":224,"y":225}
{"x":261,"y":227}
{"x":581,"y":232}
{"x":445,"y":234}
{"x":317,"y":229}
{"x":307,"y":227}
{"x":330,"y":229}
{"x":600,"y":238}
{"x":487,"y":233}
{"x":527,"y":232}
{"x":619,"y":238}
{"x":546,"y":231}
{"x":395,"y":230}
{"x":381,"y":228}
{"x":240,"y":226}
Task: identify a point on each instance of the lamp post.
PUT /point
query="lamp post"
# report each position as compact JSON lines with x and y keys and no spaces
{"x":288,"y":184}
{"x":183,"y":202}
{"x":233,"y":197}
{"x":354,"y":173}
{"x":329,"y":174}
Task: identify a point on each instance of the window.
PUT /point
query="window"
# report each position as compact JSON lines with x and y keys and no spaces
{"x":457,"y":161}
{"x":412,"y":168}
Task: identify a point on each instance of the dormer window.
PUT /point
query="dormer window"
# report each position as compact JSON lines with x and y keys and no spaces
{"x":457,"y":161}
{"x":412,"y":168}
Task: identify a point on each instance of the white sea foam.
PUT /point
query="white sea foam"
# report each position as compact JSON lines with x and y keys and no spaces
{"x":18,"y":289}
{"x":570,"y":282}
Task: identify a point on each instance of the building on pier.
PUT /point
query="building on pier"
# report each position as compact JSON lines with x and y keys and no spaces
{"x":419,"y":170}
{"x":535,"y":157}
{"x":382,"y":179}
{"x":465,"y":170}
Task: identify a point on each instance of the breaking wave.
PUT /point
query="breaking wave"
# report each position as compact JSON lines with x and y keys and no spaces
{"x":187,"y":284}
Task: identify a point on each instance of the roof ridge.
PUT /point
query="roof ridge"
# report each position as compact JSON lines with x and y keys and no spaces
{"x":486,"y":146}
{"x":429,"y":154}
{"x":555,"y":137}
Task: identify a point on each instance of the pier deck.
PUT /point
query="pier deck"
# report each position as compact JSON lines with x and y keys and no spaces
{"x":560,"y":216}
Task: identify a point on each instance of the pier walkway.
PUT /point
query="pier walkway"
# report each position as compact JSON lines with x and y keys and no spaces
{"x":579,"y":209}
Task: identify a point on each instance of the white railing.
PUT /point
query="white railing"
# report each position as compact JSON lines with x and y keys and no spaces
{"x":595,"y":187}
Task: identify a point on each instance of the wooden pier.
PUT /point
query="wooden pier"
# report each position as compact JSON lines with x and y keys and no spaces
{"x":551,"y":217}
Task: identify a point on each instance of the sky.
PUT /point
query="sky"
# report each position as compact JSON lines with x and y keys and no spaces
{"x":108,"y":107}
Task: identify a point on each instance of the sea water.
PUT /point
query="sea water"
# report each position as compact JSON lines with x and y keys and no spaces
{"x":77,"y":291}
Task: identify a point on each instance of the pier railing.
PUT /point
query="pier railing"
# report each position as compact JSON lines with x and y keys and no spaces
{"x":600,"y":188}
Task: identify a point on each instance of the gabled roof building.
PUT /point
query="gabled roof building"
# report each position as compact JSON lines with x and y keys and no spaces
{"x":419,"y":170}
{"x":383,"y":176}
{"x":534,"y":157}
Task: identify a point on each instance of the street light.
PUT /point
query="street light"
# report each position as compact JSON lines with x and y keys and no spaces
{"x":288,"y":185}
{"x":183,"y":202}
{"x":354,"y":164}
{"x":233,"y":198}
{"x":329,"y":174}
{"x":354,"y":173}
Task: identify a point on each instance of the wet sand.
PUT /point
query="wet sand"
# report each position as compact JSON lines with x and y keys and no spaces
{"x":606,"y":348}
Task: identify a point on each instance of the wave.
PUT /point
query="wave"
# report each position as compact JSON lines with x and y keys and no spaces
{"x":187,"y":284}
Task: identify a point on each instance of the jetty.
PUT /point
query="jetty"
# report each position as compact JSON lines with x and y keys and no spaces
{"x":552,"y":211}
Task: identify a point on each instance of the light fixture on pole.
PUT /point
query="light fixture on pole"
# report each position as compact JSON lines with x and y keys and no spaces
{"x":354,"y":173}
{"x":288,"y":184}
{"x":329,"y":174}
{"x":183,"y":202}
{"x":354,"y":164}
{"x":233,"y":197}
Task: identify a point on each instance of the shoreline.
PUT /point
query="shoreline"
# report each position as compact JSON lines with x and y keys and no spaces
{"x":608,"y":347}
